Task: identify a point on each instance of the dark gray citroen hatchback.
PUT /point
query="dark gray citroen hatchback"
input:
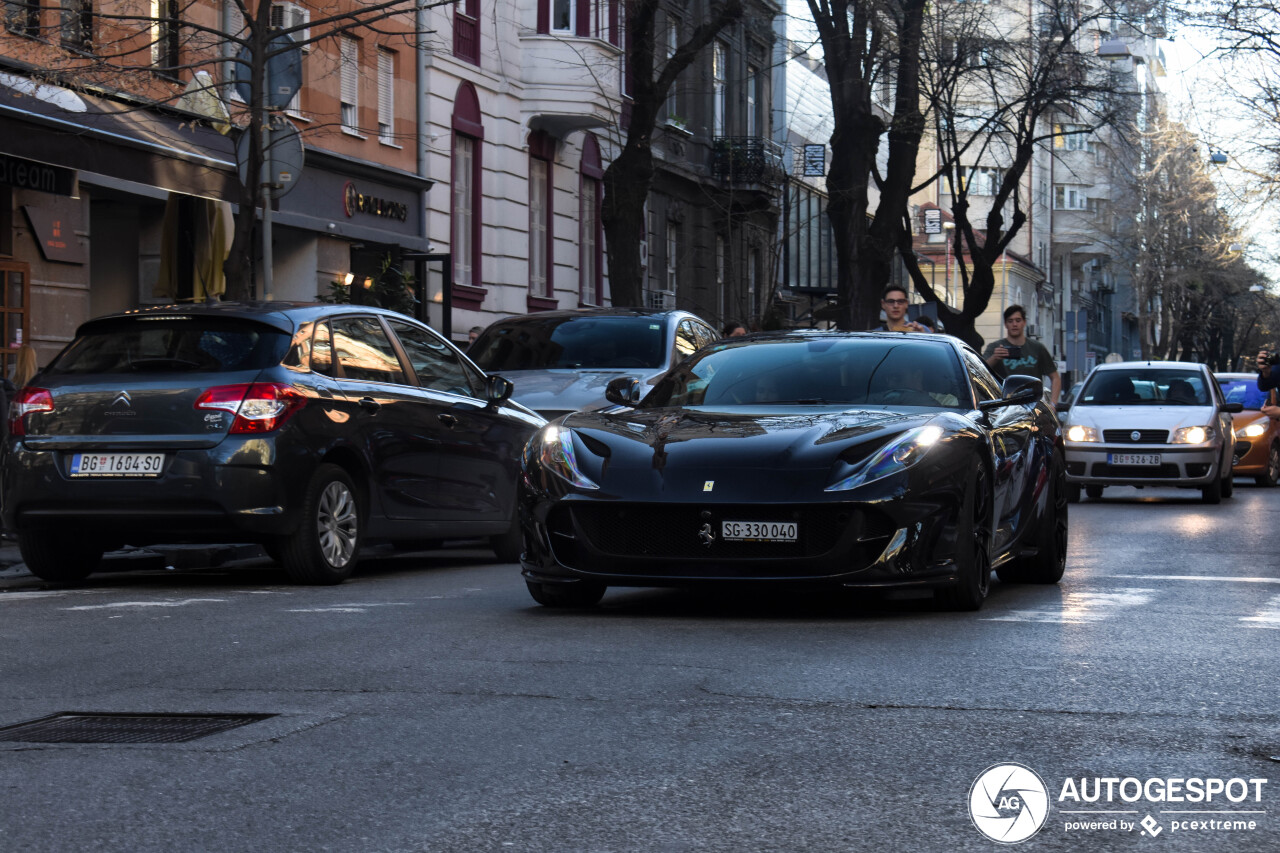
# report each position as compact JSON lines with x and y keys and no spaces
{"x":307,"y":428}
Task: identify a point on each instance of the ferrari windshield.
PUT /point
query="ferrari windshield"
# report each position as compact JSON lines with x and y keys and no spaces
{"x":1145,"y":386}
{"x":571,"y":342}
{"x":817,"y":371}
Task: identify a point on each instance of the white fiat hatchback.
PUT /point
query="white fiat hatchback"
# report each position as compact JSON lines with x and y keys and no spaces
{"x":1150,"y":423}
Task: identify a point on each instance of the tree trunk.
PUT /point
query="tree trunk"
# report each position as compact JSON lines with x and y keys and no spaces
{"x":626,"y":186}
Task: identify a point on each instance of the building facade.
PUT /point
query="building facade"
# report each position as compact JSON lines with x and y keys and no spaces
{"x":119,"y":135}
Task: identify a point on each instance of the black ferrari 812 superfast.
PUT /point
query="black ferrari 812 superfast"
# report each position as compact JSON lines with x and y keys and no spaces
{"x":876,"y":461}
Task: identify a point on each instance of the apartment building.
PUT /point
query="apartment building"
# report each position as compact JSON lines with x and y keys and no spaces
{"x":525,"y":109}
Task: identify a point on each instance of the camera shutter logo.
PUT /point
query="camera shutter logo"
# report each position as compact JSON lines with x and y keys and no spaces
{"x":1008,"y":803}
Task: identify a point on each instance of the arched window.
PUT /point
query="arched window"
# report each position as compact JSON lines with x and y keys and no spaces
{"x":542,"y":151}
{"x":464,"y":201}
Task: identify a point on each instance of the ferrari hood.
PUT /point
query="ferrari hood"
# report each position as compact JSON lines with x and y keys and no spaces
{"x":774,"y":452}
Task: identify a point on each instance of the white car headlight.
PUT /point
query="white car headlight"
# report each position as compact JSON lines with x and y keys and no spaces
{"x":899,"y":454}
{"x":558,"y":456}
{"x":1254,"y":430}
{"x":1080,"y":432}
{"x":1191,"y":435}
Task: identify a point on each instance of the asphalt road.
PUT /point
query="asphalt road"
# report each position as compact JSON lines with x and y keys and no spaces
{"x":429,"y":705}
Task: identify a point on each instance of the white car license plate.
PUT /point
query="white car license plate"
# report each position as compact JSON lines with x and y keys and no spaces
{"x":1133,"y":458}
{"x":760,"y":531}
{"x":117,"y":464}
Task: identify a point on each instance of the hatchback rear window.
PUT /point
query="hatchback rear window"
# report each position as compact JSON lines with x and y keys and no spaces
{"x":197,"y":345}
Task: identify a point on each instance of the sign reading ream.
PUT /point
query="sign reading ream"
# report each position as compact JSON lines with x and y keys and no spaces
{"x":32,"y":175}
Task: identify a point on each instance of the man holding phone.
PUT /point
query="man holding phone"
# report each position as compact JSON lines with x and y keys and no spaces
{"x":1015,"y":353}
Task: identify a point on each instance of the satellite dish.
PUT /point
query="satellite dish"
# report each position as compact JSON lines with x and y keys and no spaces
{"x":286,"y":160}
{"x":283,"y":75}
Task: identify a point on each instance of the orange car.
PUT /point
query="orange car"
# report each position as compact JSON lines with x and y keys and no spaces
{"x":1257,"y":436}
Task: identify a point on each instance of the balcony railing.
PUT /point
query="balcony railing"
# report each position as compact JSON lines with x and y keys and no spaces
{"x":746,"y":159}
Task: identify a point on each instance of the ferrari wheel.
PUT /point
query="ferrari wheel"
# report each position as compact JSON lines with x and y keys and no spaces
{"x":579,"y":594}
{"x":1049,"y":561}
{"x":973,"y":551}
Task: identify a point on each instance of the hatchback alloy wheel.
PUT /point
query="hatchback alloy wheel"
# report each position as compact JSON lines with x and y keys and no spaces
{"x":338,"y":524}
{"x":325,"y":547}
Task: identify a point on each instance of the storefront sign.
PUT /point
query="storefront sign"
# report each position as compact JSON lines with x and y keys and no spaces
{"x":30,"y":175}
{"x":55,"y":224}
{"x":354,"y":201}
{"x":815,"y":161}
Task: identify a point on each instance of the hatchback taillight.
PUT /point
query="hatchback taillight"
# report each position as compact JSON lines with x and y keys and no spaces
{"x":258,"y":407}
{"x":28,"y":401}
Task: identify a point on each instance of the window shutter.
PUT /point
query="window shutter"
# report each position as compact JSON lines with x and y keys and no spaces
{"x":386,"y":95}
{"x":350,"y":82}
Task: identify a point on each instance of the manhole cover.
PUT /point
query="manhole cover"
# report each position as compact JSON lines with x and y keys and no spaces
{"x":125,"y":728}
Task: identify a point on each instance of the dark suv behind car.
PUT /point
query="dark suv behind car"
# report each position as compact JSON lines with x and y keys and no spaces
{"x":307,"y":428}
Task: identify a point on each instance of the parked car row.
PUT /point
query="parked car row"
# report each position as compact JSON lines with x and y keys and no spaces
{"x":874,"y":460}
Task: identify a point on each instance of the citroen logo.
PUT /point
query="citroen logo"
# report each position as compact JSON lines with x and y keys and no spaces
{"x":122,"y":399}
{"x":706,"y":535}
{"x":1135,"y":435}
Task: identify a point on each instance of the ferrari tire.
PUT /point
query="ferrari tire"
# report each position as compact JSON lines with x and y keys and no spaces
{"x":52,"y":555}
{"x":1049,"y":561}
{"x":1094,"y":491}
{"x":973,"y":551}
{"x":325,"y":547}
{"x":578,"y":594}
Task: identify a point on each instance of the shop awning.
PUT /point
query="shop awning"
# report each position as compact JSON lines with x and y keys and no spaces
{"x":91,"y":134}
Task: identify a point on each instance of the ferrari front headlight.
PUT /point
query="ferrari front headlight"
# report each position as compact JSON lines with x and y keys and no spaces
{"x":899,"y":454}
{"x":1080,"y":432}
{"x":1191,"y":435}
{"x":558,"y":456}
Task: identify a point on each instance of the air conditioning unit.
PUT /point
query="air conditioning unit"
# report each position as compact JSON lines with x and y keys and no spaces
{"x":289,"y":15}
{"x":1031,"y":331}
